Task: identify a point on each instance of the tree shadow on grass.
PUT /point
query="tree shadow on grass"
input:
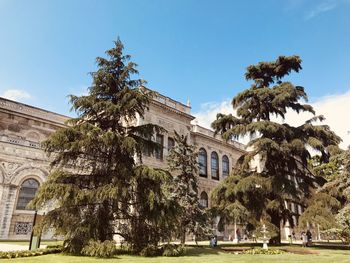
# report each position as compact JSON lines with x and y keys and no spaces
{"x":201,"y":250}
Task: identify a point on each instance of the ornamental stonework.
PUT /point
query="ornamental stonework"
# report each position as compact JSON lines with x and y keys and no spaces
{"x":23,"y":228}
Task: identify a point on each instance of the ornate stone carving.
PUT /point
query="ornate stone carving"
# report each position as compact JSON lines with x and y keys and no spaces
{"x":23,"y":228}
{"x":10,"y":167}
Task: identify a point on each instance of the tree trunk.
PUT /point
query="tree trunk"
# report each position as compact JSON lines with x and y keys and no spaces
{"x":276,"y":240}
{"x":104,"y":228}
{"x":183,"y":237}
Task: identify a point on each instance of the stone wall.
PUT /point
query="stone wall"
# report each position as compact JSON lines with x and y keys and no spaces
{"x":22,"y":128}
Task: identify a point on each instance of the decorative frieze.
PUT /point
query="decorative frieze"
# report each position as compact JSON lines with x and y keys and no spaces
{"x":19,"y":141}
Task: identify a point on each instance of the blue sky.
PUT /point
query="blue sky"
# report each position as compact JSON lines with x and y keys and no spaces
{"x":196,"y":49}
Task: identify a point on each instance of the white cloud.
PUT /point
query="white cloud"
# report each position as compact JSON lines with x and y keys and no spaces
{"x":15,"y":94}
{"x":323,"y":7}
{"x":336,"y":110}
{"x":81,"y":90}
{"x":208,"y":111}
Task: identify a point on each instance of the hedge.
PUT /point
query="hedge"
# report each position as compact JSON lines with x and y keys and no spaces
{"x":31,"y":253}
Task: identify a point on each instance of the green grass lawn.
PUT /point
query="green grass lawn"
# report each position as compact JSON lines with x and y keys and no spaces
{"x":203,"y":255}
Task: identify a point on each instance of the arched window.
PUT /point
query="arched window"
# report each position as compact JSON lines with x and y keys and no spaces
{"x":203,"y":200}
{"x":26,"y":193}
{"x":214,"y":166}
{"x":202,"y":160}
{"x":159,"y":152}
{"x":225,"y":166}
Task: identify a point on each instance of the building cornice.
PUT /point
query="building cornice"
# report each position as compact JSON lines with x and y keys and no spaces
{"x":171,"y":109}
{"x":22,"y":109}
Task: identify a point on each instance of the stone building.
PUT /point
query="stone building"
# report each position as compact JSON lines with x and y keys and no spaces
{"x":24,"y":166}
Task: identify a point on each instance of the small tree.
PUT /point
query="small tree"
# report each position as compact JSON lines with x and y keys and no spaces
{"x":281,"y":149}
{"x":182,"y":162}
{"x":330,"y":206}
{"x":97,"y":187}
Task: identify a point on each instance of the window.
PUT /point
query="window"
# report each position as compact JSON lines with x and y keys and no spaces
{"x":171,"y":144}
{"x":146,"y":149}
{"x":203,"y":200}
{"x":214,"y":166}
{"x":202,"y":160}
{"x":225,"y":166}
{"x":27,"y":193}
{"x":159,"y":152}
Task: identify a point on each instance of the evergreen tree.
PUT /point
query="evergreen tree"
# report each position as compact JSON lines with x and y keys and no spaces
{"x":330,"y":205}
{"x":97,"y":187}
{"x":182,"y":161}
{"x":339,"y":186}
{"x":281,"y":149}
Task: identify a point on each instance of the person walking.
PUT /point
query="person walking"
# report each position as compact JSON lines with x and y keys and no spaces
{"x":309,"y":238}
{"x":303,"y":239}
{"x":293,"y":236}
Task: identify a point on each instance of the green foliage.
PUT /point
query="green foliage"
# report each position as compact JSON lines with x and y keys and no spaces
{"x":182,"y":161}
{"x":154,"y":210}
{"x":321,"y":210}
{"x":167,"y":250}
{"x":100,"y":249}
{"x":173,"y":250}
{"x":150,"y":251}
{"x":339,"y":186}
{"x":343,"y":222}
{"x":97,"y":187}
{"x":282,"y":150}
{"x":260,"y":251}
{"x":329,"y":207}
{"x":329,"y":170}
{"x":31,"y":253}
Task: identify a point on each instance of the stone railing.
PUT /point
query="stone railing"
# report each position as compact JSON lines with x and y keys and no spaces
{"x":172,"y":103}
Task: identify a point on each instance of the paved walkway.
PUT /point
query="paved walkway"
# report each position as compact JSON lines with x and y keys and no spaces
{"x":13,"y":247}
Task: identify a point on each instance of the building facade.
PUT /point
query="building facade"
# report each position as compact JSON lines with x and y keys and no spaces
{"x":24,"y":166}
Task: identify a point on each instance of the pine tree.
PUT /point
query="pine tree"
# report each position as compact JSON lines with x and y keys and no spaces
{"x":281,"y":149}
{"x":182,"y":161}
{"x":98,"y":186}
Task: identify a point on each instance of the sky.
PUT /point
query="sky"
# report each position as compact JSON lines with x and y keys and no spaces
{"x":185,"y":49}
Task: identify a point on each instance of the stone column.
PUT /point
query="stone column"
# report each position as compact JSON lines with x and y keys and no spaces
{"x":235,"y":239}
{"x":220,"y":166}
{"x":6,"y":208}
{"x":209,"y":162}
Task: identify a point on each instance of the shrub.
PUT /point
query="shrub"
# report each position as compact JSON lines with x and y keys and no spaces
{"x":33,"y":253}
{"x":258,"y":251}
{"x":125,"y":250}
{"x":172,"y":250}
{"x":150,"y":251}
{"x":100,"y":249}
